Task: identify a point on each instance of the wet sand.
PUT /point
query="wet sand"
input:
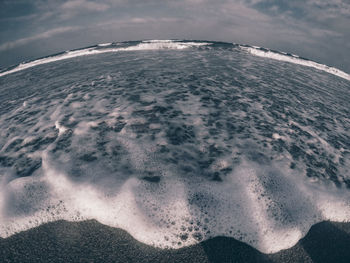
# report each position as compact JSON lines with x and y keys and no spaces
{"x":90,"y":241}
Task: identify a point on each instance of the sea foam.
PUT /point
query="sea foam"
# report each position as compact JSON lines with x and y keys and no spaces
{"x":176,"y":212}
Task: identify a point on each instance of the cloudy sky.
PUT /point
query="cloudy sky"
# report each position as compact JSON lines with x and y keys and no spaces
{"x":316,"y":29}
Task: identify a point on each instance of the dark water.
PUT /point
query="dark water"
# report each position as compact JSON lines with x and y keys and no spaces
{"x":176,"y":142}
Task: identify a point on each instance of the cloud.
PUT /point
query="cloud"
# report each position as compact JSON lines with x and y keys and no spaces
{"x":47,"y":34}
{"x":317,"y":10}
{"x":84,"y":4}
{"x":316,"y":29}
{"x":71,"y":8}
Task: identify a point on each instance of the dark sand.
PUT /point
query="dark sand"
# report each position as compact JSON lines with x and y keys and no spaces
{"x":90,"y":241}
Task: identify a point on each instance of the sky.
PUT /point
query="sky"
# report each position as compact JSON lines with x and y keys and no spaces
{"x":315,"y":29}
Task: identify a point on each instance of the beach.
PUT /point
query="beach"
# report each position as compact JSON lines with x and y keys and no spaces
{"x":90,"y":241}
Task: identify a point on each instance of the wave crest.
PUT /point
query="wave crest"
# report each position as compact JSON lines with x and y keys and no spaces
{"x":172,"y":45}
{"x":266,"y":53}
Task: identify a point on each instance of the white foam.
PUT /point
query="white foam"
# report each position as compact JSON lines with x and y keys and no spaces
{"x":83,"y":127}
{"x":66,"y":55}
{"x":61,"y":129}
{"x":154,"y":45}
{"x":104,"y":44}
{"x":165,"y":45}
{"x":159,"y":41}
{"x":132,"y":208}
{"x":296,"y":60}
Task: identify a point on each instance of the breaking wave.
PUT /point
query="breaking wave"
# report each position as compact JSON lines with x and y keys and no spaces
{"x":266,"y":53}
{"x":144,"y":45}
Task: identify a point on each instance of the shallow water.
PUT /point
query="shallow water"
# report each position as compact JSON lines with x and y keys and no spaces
{"x":175,"y":142}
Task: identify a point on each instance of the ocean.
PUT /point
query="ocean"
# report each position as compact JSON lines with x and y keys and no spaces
{"x":176,"y":142}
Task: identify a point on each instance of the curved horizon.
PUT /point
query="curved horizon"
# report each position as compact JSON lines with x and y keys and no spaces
{"x":155,"y":44}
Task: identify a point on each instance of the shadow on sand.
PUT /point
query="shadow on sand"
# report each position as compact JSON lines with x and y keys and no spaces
{"x":90,"y":241}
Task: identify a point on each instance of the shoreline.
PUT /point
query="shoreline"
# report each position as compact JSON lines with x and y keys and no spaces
{"x":91,"y":241}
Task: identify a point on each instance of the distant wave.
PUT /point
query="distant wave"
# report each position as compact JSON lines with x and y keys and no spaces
{"x":104,"y":44}
{"x":175,"y":45}
{"x":144,"y":45}
{"x":266,"y":53}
